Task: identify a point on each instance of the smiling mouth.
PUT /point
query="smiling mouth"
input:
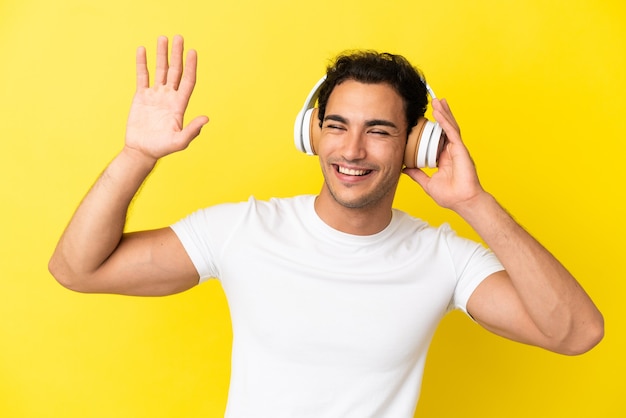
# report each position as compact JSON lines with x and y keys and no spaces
{"x":352,"y":171}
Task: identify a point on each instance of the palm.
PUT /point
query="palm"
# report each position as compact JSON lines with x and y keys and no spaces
{"x":455,"y":182}
{"x":155,"y":123}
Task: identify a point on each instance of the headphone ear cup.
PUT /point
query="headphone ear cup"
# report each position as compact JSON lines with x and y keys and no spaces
{"x":315,"y":131}
{"x":413,"y":144}
{"x":298,"y":131}
{"x":424,"y":145}
{"x":435,"y":146}
{"x":307,"y":131}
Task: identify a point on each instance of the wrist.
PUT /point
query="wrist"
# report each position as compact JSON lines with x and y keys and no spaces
{"x":481,"y":205}
{"x":138,"y":159}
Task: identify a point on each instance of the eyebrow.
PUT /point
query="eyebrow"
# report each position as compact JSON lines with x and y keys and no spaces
{"x":373,"y":122}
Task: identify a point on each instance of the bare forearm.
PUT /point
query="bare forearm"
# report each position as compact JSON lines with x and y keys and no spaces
{"x":97,"y":226}
{"x":554,"y":300}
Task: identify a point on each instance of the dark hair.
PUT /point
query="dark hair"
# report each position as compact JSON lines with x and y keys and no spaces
{"x":373,"y":67}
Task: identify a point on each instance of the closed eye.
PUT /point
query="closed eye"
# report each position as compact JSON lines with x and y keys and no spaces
{"x":334,"y":126}
{"x":335,"y":122}
{"x":378,"y":132}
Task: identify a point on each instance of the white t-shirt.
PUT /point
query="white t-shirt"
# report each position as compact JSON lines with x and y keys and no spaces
{"x":328,"y":324}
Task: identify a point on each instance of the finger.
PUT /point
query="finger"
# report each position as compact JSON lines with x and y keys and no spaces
{"x":455,"y":148}
{"x":143,"y":77}
{"x":160,"y":76}
{"x":188,"y":80}
{"x":447,"y":122}
{"x":442,"y":109}
{"x":419,"y":176}
{"x":451,"y":131}
{"x":446,"y":106}
{"x":191,"y":131}
{"x":176,"y":62}
{"x":194,"y":127}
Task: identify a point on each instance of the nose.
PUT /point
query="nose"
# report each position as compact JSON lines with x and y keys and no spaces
{"x":353,"y":147}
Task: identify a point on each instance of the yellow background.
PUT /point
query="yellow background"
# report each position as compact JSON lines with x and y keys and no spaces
{"x":538,"y":88}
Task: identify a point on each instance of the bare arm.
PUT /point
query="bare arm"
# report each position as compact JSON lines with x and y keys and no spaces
{"x":535,"y":300}
{"x":94,"y":254}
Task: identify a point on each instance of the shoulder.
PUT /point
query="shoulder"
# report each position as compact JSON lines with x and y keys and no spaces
{"x":442,"y":237}
{"x":281,"y":203}
{"x":403,"y":221}
{"x":252,"y":210}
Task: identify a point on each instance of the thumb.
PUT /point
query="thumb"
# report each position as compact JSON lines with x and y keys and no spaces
{"x":419,"y":176}
{"x":194,"y":127}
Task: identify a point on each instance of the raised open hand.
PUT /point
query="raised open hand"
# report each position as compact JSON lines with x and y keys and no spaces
{"x":155,"y":123}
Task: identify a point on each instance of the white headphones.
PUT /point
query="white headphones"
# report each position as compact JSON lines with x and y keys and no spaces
{"x":423,"y":147}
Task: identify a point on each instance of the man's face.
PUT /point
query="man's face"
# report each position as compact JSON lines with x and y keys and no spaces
{"x":362,"y":145}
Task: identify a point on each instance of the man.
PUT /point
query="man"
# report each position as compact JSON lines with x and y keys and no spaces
{"x":334,"y":298}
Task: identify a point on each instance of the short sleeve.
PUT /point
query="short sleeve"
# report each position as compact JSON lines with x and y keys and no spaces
{"x":206,"y":232}
{"x":473,"y":263}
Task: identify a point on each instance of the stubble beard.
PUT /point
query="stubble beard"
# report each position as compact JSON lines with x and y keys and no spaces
{"x":367,"y":200}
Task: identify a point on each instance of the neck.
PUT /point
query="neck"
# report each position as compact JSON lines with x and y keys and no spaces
{"x":367,"y":220}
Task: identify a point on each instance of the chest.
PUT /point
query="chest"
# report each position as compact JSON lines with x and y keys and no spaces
{"x":321,"y":303}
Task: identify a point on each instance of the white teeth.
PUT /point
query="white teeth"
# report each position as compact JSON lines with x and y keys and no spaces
{"x":352,"y":172}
